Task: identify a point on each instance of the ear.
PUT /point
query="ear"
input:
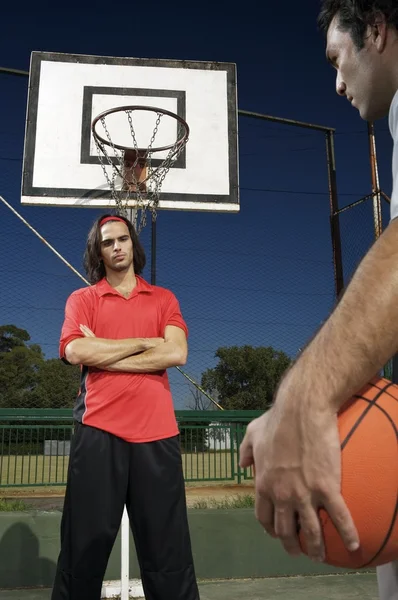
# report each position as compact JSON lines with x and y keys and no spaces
{"x":379,"y":32}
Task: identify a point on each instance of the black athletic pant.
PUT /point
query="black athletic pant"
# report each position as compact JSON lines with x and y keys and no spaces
{"x":106,"y":473}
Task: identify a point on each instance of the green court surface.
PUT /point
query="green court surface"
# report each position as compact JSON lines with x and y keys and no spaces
{"x":331,"y":587}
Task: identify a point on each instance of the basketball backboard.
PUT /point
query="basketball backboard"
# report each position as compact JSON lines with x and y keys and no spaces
{"x":66,"y":92}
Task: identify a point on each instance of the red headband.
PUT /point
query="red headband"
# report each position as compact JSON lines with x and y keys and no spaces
{"x":106,"y":219}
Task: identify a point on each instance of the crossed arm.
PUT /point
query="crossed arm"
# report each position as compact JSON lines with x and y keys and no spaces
{"x":132,"y":355}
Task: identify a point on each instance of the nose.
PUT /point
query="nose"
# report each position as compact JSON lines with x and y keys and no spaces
{"x":340,"y":86}
{"x":116,"y":245}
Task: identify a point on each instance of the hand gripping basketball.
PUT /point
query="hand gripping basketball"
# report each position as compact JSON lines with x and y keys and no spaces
{"x":323,"y":482}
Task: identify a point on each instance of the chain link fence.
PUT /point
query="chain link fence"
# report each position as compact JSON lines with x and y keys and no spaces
{"x":260,"y":278}
{"x":358,"y":232}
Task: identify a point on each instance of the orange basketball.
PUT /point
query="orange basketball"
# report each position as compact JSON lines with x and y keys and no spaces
{"x":368,"y":426}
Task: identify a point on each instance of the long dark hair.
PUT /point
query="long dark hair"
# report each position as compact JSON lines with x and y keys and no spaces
{"x":93,"y":264}
{"x":354,"y":16}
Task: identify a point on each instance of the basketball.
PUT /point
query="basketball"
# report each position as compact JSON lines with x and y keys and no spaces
{"x":368,"y":426}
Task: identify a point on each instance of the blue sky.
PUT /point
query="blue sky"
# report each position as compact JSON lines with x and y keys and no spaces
{"x":263,"y":276}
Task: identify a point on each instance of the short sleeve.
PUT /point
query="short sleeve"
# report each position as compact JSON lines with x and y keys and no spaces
{"x":393,"y":121}
{"x":171,"y":313}
{"x":77,"y":312}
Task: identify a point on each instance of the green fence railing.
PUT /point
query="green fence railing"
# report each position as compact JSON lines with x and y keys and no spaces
{"x":35,"y":446}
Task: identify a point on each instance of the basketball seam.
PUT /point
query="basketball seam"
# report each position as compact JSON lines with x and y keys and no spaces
{"x":394,"y":518}
{"x":372,"y":403}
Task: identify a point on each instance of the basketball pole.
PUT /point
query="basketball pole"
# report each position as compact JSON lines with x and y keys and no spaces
{"x":132,"y":215}
{"x":125,"y":525}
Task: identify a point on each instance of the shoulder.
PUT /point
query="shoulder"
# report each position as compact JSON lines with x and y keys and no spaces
{"x":393,"y":117}
{"x":158,"y":291}
{"x":164,"y":294}
{"x":393,"y":122}
{"x":85,"y":294}
{"x":166,"y":300}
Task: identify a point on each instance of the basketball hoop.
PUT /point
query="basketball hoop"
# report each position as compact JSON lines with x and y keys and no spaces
{"x":135,"y":182}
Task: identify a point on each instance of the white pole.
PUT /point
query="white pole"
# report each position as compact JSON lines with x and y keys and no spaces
{"x":125,"y":533}
{"x":125,"y":556}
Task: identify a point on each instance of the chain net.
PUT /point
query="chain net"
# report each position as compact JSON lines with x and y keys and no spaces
{"x":121,"y":174}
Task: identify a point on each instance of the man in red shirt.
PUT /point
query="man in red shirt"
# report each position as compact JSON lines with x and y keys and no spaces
{"x":125,"y":451}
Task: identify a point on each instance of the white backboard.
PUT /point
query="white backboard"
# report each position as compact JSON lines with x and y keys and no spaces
{"x":61,"y":164}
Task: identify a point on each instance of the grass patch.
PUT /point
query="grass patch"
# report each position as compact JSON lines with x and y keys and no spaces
{"x":36,"y":470}
{"x":12,"y":505}
{"x":231,"y":502}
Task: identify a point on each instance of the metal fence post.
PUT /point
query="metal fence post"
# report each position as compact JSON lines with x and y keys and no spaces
{"x":334,"y":215}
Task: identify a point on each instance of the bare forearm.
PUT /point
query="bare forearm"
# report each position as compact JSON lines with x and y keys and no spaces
{"x":156,"y":359}
{"x":360,"y":336}
{"x":100,"y":352}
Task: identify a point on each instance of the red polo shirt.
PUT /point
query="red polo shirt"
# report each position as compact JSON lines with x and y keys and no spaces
{"x":137,"y":407}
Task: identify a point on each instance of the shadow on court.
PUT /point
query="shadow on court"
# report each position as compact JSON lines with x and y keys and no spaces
{"x":21,"y":563}
{"x":332,"y":587}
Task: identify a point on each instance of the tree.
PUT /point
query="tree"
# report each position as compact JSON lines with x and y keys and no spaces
{"x":245,"y":377}
{"x":19,"y":366}
{"x":57,"y":384}
{"x":27,"y":380}
{"x":11,"y":337}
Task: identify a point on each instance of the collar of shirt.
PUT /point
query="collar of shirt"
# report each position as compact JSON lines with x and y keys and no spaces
{"x":103,"y":287}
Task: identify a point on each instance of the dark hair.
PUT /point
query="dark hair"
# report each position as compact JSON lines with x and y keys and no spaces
{"x":93,"y":264}
{"x":354,"y":16}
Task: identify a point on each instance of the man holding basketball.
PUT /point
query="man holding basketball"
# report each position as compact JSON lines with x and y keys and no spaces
{"x":125,"y":450}
{"x":295,"y":446}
